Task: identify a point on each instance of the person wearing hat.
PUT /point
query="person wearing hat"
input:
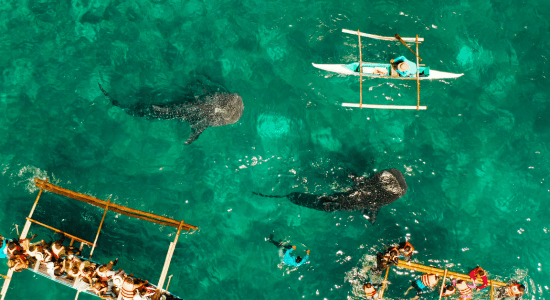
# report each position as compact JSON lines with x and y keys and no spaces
{"x":404,"y":67}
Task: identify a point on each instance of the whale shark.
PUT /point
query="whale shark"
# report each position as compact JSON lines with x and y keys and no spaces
{"x":210,"y":109}
{"x":368,"y":195}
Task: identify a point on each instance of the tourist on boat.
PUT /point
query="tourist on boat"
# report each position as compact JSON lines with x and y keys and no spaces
{"x":464,"y":288}
{"x":513,"y":290}
{"x":406,"y":250}
{"x":58,"y":250}
{"x":403,"y":66}
{"x":18,"y":263}
{"x":40,"y":253}
{"x":424,"y":284}
{"x":129,"y":287}
{"x":14,"y":249}
{"x":105,"y":272}
{"x":294,"y":261}
{"x":479,"y":273}
{"x":448,"y":291}
{"x":102,"y":290}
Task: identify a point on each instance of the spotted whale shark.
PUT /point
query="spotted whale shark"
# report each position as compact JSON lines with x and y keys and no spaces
{"x":367,"y":195}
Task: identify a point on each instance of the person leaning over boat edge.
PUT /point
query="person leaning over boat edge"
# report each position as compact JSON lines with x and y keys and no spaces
{"x":479,"y":273}
{"x":403,"y":66}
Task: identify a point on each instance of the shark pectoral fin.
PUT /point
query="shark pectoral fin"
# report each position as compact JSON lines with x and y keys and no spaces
{"x":196,"y":131}
{"x":370,"y":215}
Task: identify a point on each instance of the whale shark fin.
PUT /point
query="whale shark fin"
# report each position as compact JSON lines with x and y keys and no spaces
{"x":370,"y":215}
{"x":196,"y":130}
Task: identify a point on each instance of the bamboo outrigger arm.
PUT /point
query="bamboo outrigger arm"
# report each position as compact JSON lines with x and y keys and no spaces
{"x":440,"y":272}
{"x":134,"y":213}
{"x":385,"y":38}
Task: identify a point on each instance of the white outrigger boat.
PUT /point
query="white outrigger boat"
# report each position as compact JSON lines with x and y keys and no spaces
{"x":385,"y":70}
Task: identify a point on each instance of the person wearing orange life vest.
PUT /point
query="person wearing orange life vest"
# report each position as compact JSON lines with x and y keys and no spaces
{"x":479,"y":273}
{"x":423,"y":285}
{"x":448,"y":291}
{"x":385,"y":260}
{"x":371,"y":289}
{"x":513,"y":290}
{"x":406,"y":250}
{"x":128,"y":288}
{"x":464,"y":288}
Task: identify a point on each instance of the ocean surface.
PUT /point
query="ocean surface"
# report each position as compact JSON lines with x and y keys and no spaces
{"x":476,"y":162}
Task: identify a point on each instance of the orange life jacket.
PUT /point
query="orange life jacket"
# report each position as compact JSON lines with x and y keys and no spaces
{"x":429,"y":280}
{"x":370,"y":291}
{"x":127,"y":291}
{"x":409,"y":252}
{"x":513,"y":290}
{"x":463,"y":288}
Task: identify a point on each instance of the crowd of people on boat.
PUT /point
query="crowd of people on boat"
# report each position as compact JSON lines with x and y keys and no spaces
{"x":64,"y":262}
{"x":428,"y":282}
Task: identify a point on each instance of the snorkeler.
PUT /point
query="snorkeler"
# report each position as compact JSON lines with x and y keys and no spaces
{"x":513,"y":290}
{"x":371,"y":289}
{"x":423,"y":285}
{"x":479,"y":273}
{"x":295,"y":261}
{"x":464,"y":288}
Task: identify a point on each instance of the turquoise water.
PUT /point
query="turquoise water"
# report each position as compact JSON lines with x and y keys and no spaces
{"x":476,"y":161}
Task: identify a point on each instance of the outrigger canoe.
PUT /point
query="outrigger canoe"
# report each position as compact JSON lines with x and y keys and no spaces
{"x":370,"y":69}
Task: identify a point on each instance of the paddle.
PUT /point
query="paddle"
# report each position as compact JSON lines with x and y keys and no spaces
{"x":398,"y":37}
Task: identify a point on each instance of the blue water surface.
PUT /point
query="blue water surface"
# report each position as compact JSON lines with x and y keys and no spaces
{"x":476,"y":162}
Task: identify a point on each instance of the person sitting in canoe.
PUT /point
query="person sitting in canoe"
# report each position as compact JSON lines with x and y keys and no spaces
{"x":403,"y":66}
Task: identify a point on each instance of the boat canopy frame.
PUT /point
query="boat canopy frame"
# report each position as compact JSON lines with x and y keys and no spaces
{"x":107,"y":206}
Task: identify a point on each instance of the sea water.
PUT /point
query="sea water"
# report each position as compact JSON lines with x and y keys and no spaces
{"x":476,"y":162}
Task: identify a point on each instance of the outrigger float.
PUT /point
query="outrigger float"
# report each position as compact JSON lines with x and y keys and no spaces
{"x":441,"y":273}
{"x":376,"y":70}
{"x":41,"y":269}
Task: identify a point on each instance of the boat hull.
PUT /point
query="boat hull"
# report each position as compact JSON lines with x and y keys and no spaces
{"x":368,"y":68}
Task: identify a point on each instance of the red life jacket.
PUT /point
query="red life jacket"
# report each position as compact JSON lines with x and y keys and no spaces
{"x":409,"y":252}
{"x":513,"y":290}
{"x":370,"y":291}
{"x":127,"y":291}
{"x":429,"y":280}
{"x":463,"y":288}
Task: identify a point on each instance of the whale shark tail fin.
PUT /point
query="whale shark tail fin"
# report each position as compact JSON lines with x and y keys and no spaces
{"x":370,"y":215}
{"x":269,"y":196}
{"x":113,"y":101}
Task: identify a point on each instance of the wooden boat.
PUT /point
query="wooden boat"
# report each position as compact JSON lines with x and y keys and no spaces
{"x":41,"y":269}
{"x":370,"y":70}
{"x":385,"y":71}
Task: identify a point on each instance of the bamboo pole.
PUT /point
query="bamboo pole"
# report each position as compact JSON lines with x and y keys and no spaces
{"x":440,"y":272}
{"x":379,"y":37}
{"x":77,"y":293}
{"x":99,"y":229}
{"x":169,"y":258}
{"x":73,"y":238}
{"x":134,"y":213}
{"x":492,"y":288}
{"x":376,"y":106}
{"x":169,"y":279}
{"x":384,"y":285}
{"x":443,"y":284}
{"x":417,"y":77}
{"x":360,"y":71}
{"x":23,"y":236}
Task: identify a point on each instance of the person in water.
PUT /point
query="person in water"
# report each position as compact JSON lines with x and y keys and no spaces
{"x":372,"y":288}
{"x":403,"y":66}
{"x":289,"y":259}
{"x":424,"y":284}
{"x":3,"y":247}
{"x":464,"y":288}
{"x":406,"y":250}
{"x":448,"y":291}
{"x":389,"y":258}
{"x":479,"y":273}
{"x":513,"y":290}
